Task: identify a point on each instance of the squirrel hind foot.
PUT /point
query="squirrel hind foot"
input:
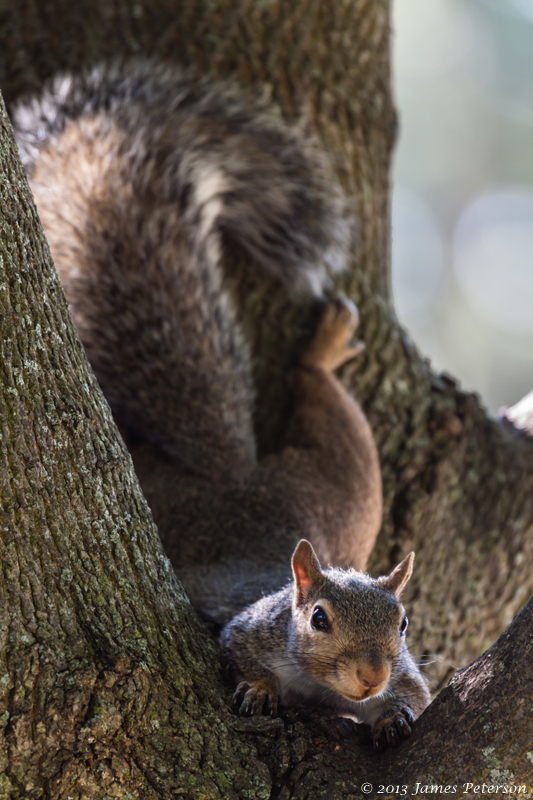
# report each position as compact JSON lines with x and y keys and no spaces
{"x":330,"y":347}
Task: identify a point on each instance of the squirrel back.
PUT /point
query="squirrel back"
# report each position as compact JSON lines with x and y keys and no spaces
{"x":139,"y":172}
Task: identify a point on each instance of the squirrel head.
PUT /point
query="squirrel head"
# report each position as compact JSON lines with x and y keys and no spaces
{"x":348,"y":629}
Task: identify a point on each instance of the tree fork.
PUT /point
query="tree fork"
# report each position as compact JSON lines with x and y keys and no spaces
{"x":108,"y":679}
{"x":457,"y":485}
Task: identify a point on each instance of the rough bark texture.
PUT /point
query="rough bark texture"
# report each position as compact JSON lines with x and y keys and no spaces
{"x":109,"y":685}
{"x":99,"y":649}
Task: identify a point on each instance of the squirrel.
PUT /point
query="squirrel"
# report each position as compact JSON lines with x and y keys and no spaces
{"x":142,"y":174}
{"x":334,"y":638}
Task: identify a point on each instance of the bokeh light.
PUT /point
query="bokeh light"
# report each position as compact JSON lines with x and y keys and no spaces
{"x":417,"y":254}
{"x":493,"y":258}
{"x":462,"y":250}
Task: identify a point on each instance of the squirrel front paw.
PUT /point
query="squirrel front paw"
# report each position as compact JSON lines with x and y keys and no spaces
{"x":392,"y":730}
{"x":329,"y":347}
{"x":260,"y":697}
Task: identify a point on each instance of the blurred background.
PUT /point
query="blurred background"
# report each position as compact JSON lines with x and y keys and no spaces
{"x":462,"y":252}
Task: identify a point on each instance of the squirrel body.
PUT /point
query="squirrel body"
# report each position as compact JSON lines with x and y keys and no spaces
{"x":142,"y":176}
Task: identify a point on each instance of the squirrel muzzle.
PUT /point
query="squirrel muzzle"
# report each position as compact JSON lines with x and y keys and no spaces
{"x":359,"y":681}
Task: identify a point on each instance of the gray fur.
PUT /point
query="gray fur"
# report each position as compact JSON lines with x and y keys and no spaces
{"x":276,"y":196}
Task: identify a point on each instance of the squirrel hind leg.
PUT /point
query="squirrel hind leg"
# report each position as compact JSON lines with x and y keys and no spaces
{"x":329,"y":458}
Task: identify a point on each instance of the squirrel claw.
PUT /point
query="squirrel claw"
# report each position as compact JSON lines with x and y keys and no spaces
{"x":256,"y":699}
{"x":392,"y":730}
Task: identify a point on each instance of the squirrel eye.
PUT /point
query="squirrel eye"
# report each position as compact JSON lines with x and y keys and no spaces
{"x":403,"y":626}
{"x":319,"y":620}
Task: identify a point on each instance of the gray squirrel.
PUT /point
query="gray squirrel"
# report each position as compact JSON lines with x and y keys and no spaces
{"x":334,"y":638}
{"x":142,"y":175}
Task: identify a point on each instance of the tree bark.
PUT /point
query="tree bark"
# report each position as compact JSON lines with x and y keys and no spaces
{"x":103,"y":661}
{"x":109,"y":683}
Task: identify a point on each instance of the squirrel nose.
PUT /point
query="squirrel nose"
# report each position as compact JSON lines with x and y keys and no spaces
{"x":368,"y":682}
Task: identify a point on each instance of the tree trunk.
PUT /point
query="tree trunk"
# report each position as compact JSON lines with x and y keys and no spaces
{"x":109,"y":684}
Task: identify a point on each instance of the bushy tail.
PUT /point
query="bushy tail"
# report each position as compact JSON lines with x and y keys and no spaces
{"x":137,"y":171}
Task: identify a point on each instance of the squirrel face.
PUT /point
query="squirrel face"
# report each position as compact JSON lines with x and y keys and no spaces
{"x":348,"y":629}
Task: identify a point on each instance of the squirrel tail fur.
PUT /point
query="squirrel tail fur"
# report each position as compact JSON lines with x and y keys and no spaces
{"x":140,"y":174}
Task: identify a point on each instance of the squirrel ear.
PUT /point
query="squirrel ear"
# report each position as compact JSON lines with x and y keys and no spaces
{"x":397,"y":580}
{"x":306,"y":570}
